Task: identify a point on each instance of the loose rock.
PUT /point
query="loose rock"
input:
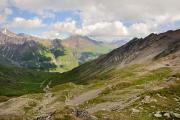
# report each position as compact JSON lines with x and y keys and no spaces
{"x":167,"y":115}
{"x":148,"y":99}
{"x":80,"y":113}
{"x":158,"y":114}
{"x":135,"y":110}
{"x":177,"y":115}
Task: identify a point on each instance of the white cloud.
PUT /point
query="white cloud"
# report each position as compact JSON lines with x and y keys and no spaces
{"x":166,"y":18}
{"x":4,"y":14}
{"x":68,"y":26}
{"x":140,"y":29}
{"x":115,"y":28}
{"x":26,"y":23}
{"x":93,"y":11}
{"x":101,"y":17}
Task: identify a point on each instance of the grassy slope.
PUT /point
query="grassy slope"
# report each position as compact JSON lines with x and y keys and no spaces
{"x":124,"y":82}
{"x":17,"y":81}
{"x":127,"y":79}
{"x":66,"y":62}
{"x":71,"y":57}
{"x":165,"y":101}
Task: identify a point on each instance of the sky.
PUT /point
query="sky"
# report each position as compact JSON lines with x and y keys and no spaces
{"x":100,"y":19}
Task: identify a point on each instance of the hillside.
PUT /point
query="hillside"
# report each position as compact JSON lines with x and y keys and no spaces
{"x":138,"y":81}
{"x":137,"y":51}
{"x":18,"y":81}
{"x":49,"y":55}
{"x":80,"y":49}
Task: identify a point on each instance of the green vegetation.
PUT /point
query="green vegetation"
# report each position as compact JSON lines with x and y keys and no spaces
{"x":127,"y":81}
{"x":18,"y":81}
{"x":65,"y":114}
{"x":173,"y":91}
{"x":164,"y":100}
{"x":57,"y":52}
{"x":118,"y":84}
{"x":53,"y":56}
{"x":36,"y":57}
{"x":155,"y":75}
{"x":66,"y":62}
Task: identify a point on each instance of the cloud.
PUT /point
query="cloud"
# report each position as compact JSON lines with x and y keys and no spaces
{"x":68,"y":26}
{"x":140,"y":29}
{"x":3,"y":4}
{"x":19,"y":22}
{"x":115,"y":28}
{"x":4,"y":14}
{"x":123,"y":18}
{"x":93,"y":11}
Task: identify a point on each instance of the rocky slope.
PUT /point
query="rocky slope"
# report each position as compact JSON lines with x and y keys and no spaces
{"x":143,"y":50}
{"x":137,"y":51}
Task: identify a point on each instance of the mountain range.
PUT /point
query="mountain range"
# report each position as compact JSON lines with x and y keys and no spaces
{"x":50,"y":55}
{"x":137,"y":81}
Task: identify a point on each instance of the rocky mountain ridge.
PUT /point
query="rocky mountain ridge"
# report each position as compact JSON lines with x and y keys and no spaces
{"x":137,"y":51}
{"x":57,"y":55}
{"x":142,"y":50}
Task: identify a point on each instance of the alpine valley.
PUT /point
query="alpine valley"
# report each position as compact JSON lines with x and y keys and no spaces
{"x":137,"y":81}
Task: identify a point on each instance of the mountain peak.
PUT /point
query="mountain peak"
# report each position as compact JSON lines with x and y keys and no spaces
{"x":7,"y":32}
{"x":4,"y":30}
{"x":78,"y":39}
